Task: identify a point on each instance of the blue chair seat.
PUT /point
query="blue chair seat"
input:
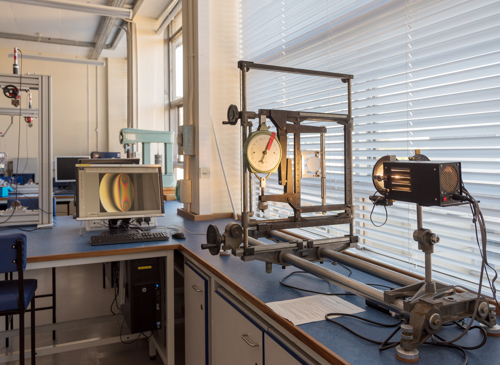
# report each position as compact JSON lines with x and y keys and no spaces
{"x":9,"y":294}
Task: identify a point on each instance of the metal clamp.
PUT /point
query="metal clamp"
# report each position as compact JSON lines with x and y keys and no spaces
{"x":245,"y":338}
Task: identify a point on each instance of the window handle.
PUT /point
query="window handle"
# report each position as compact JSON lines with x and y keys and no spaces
{"x":247,"y":340}
{"x":197,"y":289}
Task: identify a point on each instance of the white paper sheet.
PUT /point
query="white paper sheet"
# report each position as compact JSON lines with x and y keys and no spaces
{"x":312,"y":308}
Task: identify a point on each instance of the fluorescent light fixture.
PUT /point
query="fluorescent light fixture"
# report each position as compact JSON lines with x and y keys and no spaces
{"x":59,"y":59}
{"x":104,"y":10}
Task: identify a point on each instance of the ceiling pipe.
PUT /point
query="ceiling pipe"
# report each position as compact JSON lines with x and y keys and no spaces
{"x":103,"y":10}
{"x":50,"y":40}
{"x":106,"y":26}
{"x":60,"y":59}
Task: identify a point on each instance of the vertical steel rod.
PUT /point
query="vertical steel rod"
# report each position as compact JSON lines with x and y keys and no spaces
{"x":54,"y":308}
{"x":6,"y":318}
{"x":245,"y":171}
{"x":33,"y":330}
{"x":348,"y":156}
{"x":428,"y":255}
{"x":419,"y":217}
{"x":297,"y":171}
{"x":323,"y":169}
{"x":428,"y":268}
{"x":250,"y":184}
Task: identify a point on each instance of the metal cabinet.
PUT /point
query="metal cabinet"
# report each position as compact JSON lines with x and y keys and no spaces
{"x":237,"y":338}
{"x":220,"y":329}
{"x":196,"y":316}
{"x":277,"y":353}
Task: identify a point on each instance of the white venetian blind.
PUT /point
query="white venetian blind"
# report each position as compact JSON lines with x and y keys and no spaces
{"x":426,"y":76}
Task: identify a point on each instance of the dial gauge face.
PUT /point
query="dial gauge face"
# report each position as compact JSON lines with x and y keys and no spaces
{"x":263,"y":152}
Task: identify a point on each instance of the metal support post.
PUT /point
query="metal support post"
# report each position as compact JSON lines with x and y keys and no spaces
{"x":323,"y":169}
{"x":348,"y":155}
{"x":427,"y":253}
{"x":244,"y":121}
{"x":146,"y":153}
{"x":297,"y":155}
{"x":54,"y":319}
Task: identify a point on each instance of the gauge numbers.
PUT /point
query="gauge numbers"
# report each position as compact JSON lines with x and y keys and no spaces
{"x":263,"y":152}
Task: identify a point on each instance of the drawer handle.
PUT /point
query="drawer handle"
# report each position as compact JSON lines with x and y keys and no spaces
{"x":246,"y":339}
{"x":197,"y":289}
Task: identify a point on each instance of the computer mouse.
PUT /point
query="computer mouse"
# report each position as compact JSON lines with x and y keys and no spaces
{"x":179,"y":235}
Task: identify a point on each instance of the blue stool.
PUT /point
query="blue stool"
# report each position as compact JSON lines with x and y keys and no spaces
{"x":16,"y":295}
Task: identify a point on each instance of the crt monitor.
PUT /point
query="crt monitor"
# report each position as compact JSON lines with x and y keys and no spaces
{"x":65,"y":168}
{"x":119,"y":191}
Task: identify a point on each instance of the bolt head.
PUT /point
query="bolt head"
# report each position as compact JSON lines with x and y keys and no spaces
{"x":483,"y":309}
{"x":407,"y":328}
{"x":435,"y":321}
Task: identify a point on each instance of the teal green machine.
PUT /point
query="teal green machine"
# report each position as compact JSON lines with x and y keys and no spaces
{"x":130,"y":136}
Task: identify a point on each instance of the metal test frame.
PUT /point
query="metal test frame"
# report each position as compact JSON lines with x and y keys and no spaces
{"x":43,"y":216}
{"x":289,"y":122}
{"x":428,"y":304}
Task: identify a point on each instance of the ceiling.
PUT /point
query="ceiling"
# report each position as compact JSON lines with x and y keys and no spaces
{"x":42,"y":22}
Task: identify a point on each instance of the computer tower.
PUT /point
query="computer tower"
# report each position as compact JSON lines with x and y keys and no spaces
{"x":143,"y":284}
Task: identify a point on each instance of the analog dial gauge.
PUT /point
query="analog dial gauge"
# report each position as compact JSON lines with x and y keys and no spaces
{"x":263,"y":152}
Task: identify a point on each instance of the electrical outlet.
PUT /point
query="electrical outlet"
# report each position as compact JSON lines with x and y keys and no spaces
{"x":204,"y":173}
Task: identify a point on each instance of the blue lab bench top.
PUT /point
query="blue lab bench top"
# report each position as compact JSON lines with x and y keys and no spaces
{"x":64,"y":242}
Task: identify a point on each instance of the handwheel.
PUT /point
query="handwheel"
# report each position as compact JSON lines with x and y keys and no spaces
{"x":214,"y":240}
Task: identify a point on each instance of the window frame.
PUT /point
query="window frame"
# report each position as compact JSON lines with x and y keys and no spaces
{"x":173,"y":104}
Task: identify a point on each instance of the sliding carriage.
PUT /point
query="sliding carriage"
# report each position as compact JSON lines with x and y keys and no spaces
{"x":427,"y":305}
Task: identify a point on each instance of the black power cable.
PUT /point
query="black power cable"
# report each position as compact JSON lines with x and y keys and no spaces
{"x":384,"y":345}
{"x":386,"y":217}
{"x":478,"y":218}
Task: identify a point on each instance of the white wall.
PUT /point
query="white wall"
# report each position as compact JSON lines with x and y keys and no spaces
{"x":151,"y":68}
{"x":117,"y":101}
{"x":224,"y":90}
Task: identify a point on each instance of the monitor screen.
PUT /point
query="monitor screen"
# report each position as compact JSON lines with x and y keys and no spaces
{"x":25,"y":166}
{"x":65,"y":168}
{"x":119,"y":191}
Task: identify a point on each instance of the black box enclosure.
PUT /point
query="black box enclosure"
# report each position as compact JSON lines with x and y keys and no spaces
{"x":423,"y":182}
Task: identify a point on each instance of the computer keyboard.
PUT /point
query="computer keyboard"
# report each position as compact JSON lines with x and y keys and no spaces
{"x":129,"y":237}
